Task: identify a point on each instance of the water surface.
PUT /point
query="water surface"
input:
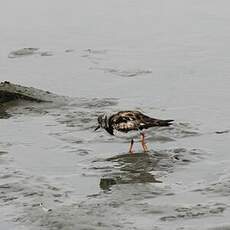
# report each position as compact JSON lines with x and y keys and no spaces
{"x":167,"y":59}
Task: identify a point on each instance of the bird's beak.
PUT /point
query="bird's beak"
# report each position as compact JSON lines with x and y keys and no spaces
{"x":98,"y":127}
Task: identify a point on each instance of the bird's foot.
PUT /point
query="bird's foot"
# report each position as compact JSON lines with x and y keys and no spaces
{"x":145,"y":148}
{"x":131,"y":147}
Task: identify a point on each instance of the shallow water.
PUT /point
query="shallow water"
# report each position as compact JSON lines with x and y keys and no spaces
{"x":169,"y":59}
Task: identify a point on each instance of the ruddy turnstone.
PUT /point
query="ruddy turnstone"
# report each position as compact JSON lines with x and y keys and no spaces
{"x":126,"y":121}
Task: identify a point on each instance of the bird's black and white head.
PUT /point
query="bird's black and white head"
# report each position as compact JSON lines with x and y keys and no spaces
{"x":102,"y":122}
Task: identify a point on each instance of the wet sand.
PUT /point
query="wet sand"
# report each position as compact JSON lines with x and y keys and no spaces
{"x":167,"y":59}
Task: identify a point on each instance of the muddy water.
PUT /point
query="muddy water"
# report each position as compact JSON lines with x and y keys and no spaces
{"x":167,"y":59}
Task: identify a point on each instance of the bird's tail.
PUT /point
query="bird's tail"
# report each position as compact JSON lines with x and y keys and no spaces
{"x":164,"y":122}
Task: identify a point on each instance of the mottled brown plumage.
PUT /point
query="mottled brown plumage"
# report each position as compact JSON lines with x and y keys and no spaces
{"x":125,"y":121}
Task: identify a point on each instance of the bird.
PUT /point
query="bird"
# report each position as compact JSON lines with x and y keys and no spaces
{"x":127,"y":121}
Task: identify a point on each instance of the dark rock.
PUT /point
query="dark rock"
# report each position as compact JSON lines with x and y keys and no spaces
{"x":11,"y":92}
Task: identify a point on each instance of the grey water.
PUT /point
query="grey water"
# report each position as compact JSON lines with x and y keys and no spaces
{"x":168,"y":59}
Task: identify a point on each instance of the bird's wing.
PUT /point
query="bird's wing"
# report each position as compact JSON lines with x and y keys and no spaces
{"x":125,"y":121}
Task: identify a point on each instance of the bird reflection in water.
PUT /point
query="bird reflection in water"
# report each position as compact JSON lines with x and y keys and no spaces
{"x":136,"y":168}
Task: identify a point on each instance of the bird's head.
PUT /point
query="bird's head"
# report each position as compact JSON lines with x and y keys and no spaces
{"x":102,"y":121}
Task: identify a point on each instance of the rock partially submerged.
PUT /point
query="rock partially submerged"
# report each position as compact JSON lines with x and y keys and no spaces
{"x":11,"y":92}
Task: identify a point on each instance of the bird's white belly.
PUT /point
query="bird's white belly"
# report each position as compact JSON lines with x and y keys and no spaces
{"x":135,"y":134}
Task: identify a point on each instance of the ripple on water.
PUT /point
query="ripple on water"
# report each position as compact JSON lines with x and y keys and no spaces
{"x":3,"y":160}
{"x":82,"y":112}
{"x":195,"y":211}
{"x":95,"y":55}
{"x":3,"y":153}
{"x":222,"y":187}
{"x":141,"y":167}
{"x":175,"y":131}
{"x":16,"y":188}
{"x":131,"y":179}
{"x":28,"y":52}
{"x":126,"y":73}
{"x":22,"y":52}
{"x":220,"y":227}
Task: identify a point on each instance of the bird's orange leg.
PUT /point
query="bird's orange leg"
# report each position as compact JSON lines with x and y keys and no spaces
{"x":144,"y":146}
{"x":131,"y":146}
